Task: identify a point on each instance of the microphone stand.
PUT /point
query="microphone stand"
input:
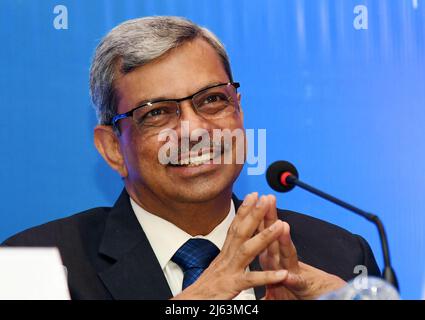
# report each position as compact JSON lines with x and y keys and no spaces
{"x":388,"y":272}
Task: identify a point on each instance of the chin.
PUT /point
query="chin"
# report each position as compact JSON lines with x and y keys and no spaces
{"x":197,"y":195}
{"x":201,"y":190}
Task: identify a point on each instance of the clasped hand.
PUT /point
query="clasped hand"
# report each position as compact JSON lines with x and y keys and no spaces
{"x":257,"y":231}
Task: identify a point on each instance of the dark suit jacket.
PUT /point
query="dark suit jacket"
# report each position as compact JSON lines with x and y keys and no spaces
{"x":108,"y":256}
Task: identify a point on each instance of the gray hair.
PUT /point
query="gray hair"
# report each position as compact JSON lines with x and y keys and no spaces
{"x":135,"y":43}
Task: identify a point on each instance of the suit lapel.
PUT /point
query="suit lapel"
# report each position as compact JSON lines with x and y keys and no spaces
{"x":135,"y":273}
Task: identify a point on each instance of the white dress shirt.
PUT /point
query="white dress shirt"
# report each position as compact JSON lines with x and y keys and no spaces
{"x":165,"y":239}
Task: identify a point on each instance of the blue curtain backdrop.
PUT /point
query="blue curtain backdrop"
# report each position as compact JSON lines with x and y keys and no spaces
{"x":347,"y":106}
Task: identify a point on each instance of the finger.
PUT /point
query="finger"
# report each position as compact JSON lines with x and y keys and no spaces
{"x":249,"y":201}
{"x":288,"y":252}
{"x":254,"y":246}
{"x":243,"y":229}
{"x":271,"y":214}
{"x":273,"y":249}
{"x":261,"y":278}
{"x":269,"y":259}
{"x":260,"y":227}
{"x":266,"y":263}
{"x":245,"y":208}
{"x":247,"y":226}
{"x":263,"y":260}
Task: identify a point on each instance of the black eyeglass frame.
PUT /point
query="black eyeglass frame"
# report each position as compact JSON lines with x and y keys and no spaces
{"x":128,"y":114}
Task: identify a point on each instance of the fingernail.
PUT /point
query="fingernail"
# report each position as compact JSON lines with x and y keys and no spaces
{"x":281,"y":274}
{"x":247,"y":200}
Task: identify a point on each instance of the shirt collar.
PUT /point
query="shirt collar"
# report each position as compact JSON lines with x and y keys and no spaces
{"x":166,"y":238}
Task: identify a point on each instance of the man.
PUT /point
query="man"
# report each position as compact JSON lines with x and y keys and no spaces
{"x":176,"y":231}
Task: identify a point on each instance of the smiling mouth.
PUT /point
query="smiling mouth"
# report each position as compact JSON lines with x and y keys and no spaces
{"x":197,"y":160}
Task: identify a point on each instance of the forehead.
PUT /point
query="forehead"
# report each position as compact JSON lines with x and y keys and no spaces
{"x":179,"y":73}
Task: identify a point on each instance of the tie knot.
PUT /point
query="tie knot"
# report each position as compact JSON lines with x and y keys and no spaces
{"x":195,"y":253}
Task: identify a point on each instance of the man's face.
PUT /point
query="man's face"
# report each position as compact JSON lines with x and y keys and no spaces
{"x":180,"y":73}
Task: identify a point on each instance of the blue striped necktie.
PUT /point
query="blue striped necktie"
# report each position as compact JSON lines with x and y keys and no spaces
{"x":193,"y":257}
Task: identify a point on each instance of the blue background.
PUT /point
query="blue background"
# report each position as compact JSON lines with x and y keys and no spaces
{"x":346,"y":106}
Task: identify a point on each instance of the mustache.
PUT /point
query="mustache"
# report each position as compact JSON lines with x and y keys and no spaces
{"x":202,"y":144}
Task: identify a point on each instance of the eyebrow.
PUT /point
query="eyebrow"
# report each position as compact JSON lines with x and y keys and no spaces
{"x":162,"y":98}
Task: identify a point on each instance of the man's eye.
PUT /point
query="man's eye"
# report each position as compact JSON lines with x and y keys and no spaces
{"x":214,"y":98}
{"x":155,"y":113}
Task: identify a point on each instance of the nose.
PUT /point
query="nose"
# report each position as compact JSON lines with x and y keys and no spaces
{"x":192,"y":128}
{"x":189,"y":115}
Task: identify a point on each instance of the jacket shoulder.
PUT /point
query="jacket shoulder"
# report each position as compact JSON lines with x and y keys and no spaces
{"x":328,"y":246}
{"x":56,"y":232}
{"x":308,"y":225}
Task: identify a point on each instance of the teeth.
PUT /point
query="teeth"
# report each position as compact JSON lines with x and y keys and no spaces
{"x":197,"y":160}
{"x":194,"y":161}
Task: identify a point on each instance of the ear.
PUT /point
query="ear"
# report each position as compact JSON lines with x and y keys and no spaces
{"x":240,"y":106}
{"x":108,"y":145}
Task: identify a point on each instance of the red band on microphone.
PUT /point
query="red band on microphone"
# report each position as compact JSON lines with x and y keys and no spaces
{"x":283,"y":177}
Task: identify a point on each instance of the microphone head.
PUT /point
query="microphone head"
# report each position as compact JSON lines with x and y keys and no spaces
{"x":275,"y":172}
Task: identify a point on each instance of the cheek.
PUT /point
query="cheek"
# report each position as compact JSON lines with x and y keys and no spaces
{"x":231,"y":123}
{"x":140,"y":152}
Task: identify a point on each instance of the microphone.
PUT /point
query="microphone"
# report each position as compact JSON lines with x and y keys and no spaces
{"x":282,"y":176}
{"x":364,"y":288}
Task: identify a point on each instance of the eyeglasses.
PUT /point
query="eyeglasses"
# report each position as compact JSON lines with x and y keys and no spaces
{"x":215,"y":102}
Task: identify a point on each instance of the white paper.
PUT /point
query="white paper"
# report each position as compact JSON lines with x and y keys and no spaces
{"x":32,"y":274}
